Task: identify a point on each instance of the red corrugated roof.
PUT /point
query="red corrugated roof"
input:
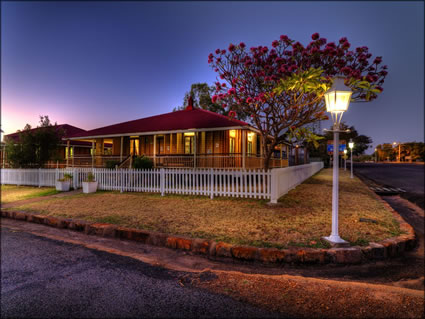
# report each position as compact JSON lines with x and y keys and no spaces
{"x":69,"y":130}
{"x":173,"y":121}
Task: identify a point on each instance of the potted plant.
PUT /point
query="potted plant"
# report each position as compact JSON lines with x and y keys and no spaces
{"x":89,"y":185}
{"x":64,"y":184}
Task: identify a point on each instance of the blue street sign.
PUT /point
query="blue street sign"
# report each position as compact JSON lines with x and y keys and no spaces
{"x":342,"y":147}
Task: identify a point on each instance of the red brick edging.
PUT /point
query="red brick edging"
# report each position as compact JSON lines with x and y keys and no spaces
{"x":391,"y":247}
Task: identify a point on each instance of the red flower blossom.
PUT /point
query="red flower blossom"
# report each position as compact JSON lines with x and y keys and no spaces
{"x":275,"y":43}
{"x":242,"y":45}
{"x":231,"y":47}
{"x":315,"y":36}
{"x":249,"y":100}
{"x":217,"y":51}
{"x":284,"y":38}
{"x":223,"y":51}
{"x":214,"y":98}
{"x":232,"y":91}
{"x":232,"y":113}
{"x":377,"y":60}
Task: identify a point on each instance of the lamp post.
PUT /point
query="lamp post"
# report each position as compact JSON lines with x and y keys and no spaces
{"x":351,"y":146}
{"x":345,"y":159}
{"x":399,"y":150}
{"x":337,"y":99}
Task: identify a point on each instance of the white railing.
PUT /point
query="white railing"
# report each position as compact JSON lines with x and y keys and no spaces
{"x":207,"y":182}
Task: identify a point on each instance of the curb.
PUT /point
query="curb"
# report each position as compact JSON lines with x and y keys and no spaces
{"x":387,"y":248}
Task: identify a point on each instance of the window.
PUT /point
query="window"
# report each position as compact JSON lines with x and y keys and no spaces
{"x":249,"y":148}
{"x":188,"y":144}
{"x":231,"y":145}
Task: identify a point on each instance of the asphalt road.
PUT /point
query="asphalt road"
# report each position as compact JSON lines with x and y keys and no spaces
{"x":406,"y":176}
{"x":47,"y":278}
{"x":409,"y":177}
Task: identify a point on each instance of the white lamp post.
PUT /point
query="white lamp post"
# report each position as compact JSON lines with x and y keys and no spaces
{"x":351,"y":146}
{"x":337,"y":99}
{"x":345,"y":159}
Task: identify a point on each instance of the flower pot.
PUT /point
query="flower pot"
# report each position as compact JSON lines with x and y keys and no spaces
{"x":63,"y":186}
{"x":89,"y":187}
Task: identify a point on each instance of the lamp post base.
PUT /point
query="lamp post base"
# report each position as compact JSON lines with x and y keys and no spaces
{"x":336,"y":241}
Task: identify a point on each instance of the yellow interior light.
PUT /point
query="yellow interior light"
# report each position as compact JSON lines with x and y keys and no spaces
{"x":189,"y":134}
{"x":232,"y":133}
{"x":250,"y":136}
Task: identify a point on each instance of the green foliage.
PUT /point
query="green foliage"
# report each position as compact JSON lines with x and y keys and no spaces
{"x":304,"y":135}
{"x":66,"y":177}
{"x":34,"y":148}
{"x":111,"y":164}
{"x":90,"y":177}
{"x":310,"y":81}
{"x":410,"y":151}
{"x":201,"y":94}
{"x":361,"y":142}
{"x":142,"y":162}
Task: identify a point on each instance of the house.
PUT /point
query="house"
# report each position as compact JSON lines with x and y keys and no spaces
{"x":65,"y":151}
{"x":192,"y":137}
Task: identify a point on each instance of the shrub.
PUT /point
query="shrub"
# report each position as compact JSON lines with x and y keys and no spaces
{"x":90,"y":177}
{"x":142,"y":162}
{"x":112,"y":164}
{"x":66,"y":177}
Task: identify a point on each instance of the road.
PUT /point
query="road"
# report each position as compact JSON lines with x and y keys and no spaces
{"x":47,"y":278}
{"x":409,"y":177}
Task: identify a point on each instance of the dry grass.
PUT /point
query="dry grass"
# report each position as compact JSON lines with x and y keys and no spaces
{"x":303,"y":217}
{"x":12,"y":193}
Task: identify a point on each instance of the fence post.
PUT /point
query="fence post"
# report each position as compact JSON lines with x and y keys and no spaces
{"x":74,"y":178}
{"x":211,"y":183}
{"x":162,"y":181}
{"x":274,"y":187}
{"x":121,"y":180}
{"x":39,"y":177}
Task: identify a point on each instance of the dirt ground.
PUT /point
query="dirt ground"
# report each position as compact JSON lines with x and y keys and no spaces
{"x":301,"y":218}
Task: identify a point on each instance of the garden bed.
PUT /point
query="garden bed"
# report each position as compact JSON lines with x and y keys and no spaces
{"x":300,"y":219}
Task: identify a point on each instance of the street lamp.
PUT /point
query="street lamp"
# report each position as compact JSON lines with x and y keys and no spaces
{"x":376,"y":155}
{"x":337,"y":99}
{"x":399,"y":150}
{"x":345,"y":159}
{"x":351,"y":146}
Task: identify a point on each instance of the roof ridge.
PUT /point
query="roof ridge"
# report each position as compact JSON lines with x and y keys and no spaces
{"x":224,"y":116}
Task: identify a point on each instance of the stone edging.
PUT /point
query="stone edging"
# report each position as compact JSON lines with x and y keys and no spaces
{"x":391,"y":247}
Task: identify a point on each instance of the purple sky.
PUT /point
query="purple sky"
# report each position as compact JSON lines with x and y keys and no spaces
{"x":92,"y":64}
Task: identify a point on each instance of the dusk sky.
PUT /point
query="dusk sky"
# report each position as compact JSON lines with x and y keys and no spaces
{"x":91,"y":64}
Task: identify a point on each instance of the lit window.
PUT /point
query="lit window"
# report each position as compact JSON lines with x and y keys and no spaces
{"x":232,"y":145}
{"x":188,"y":145}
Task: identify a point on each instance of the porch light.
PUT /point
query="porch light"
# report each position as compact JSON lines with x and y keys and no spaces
{"x":337,"y":99}
{"x":189,"y":134}
{"x":232,"y":133}
{"x":250,"y":136}
{"x":351,"y":144}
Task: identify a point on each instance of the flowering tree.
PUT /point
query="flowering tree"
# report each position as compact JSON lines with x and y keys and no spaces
{"x":282,"y":88}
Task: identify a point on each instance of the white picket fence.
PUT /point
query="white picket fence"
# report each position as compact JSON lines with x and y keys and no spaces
{"x":208,"y":182}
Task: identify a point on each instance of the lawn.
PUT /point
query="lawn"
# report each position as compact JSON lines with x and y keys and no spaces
{"x":12,"y":193}
{"x":301,"y":218}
